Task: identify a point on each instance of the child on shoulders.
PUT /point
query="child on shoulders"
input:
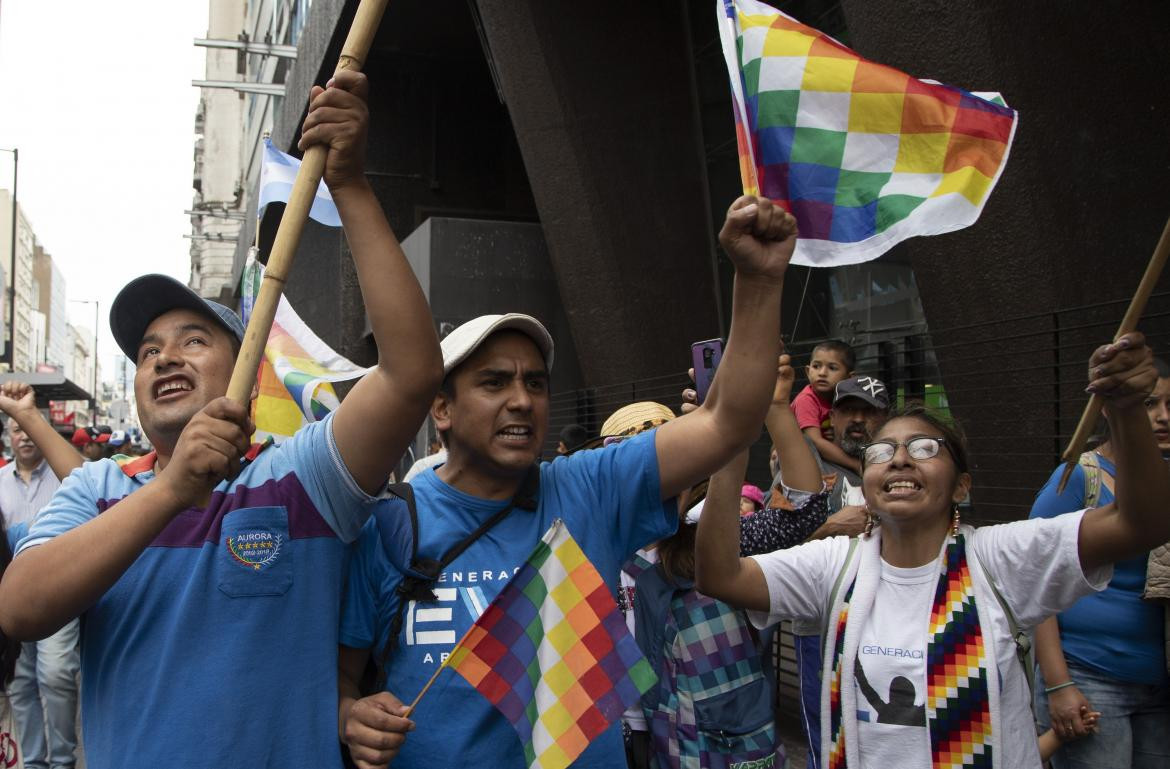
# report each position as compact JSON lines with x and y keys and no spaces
{"x":832,"y":362}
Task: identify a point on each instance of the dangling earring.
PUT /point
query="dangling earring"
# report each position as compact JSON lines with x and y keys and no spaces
{"x":955,"y":522}
{"x":871,"y":520}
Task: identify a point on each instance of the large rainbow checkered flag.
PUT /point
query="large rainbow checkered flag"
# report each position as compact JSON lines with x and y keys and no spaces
{"x":864,"y":156}
{"x":553,"y":654}
{"x":298,"y":369}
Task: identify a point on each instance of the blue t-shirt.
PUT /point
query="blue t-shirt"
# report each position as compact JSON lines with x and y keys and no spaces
{"x":1113,"y":632}
{"x":610,"y":500}
{"x":218,"y":646}
{"x":16,"y":532}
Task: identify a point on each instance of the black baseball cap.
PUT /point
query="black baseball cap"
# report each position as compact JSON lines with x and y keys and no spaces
{"x":143,"y":299}
{"x":866,"y":388}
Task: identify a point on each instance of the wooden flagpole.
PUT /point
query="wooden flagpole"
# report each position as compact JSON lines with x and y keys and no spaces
{"x":446,"y":663}
{"x":430,"y":681}
{"x":1129,"y":323}
{"x":296,"y":211}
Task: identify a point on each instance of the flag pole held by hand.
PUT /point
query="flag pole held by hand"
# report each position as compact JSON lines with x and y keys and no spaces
{"x":1129,"y":323}
{"x":296,"y":211}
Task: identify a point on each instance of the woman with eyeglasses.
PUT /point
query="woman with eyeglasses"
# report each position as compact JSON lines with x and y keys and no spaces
{"x":924,"y":616}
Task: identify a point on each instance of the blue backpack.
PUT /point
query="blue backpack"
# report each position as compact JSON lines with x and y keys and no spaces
{"x":712,"y":705}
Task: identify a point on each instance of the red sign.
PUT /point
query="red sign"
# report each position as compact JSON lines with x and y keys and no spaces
{"x":57,"y":413}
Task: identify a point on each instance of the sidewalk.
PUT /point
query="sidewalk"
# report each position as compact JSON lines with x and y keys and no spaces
{"x":795,"y":743}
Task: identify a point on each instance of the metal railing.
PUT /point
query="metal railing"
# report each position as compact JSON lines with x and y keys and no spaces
{"x":1015,"y":384}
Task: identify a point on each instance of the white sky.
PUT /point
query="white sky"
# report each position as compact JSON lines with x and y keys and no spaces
{"x":98,"y":99}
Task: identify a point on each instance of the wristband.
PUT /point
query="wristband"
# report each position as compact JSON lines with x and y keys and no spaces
{"x":1058,"y":687}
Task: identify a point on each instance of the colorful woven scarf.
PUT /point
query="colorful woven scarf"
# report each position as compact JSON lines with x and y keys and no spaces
{"x":958,"y":707}
{"x":836,"y":729}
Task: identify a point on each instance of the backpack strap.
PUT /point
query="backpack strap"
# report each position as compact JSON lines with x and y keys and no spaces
{"x":853,"y":542}
{"x":1096,"y":476}
{"x":418,"y":580}
{"x":1022,"y":639}
{"x":1091,"y":469}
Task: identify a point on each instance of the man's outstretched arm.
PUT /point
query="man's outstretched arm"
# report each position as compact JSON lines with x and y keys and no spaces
{"x":760,"y":238}
{"x":18,"y":401}
{"x":51,"y":583}
{"x":382,"y":413}
{"x":797,"y":461}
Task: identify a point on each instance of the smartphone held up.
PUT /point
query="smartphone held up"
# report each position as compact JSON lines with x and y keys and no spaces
{"x":705,"y":357}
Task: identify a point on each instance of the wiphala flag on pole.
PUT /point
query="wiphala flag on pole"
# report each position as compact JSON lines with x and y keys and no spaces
{"x":864,"y":156}
{"x":553,"y":654}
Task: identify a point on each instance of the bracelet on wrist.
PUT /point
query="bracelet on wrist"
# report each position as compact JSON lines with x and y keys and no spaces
{"x":1058,"y":687}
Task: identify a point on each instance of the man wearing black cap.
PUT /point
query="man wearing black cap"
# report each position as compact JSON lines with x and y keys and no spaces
{"x":211,"y":605}
{"x":860,"y":407}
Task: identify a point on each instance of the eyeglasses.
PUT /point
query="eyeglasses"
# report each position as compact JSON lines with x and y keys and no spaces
{"x":922,"y":447}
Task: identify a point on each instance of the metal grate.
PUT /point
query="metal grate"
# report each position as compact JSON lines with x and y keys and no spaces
{"x":1016,"y":385}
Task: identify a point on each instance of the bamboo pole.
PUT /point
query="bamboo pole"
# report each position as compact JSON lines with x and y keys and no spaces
{"x":1129,"y":323}
{"x":292,"y":223}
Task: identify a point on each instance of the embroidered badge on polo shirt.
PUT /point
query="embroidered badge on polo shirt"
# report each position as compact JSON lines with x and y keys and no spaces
{"x":254,"y":549}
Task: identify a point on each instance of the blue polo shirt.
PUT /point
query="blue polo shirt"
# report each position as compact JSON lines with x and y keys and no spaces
{"x":218,"y":646}
{"x":610,"y":500}
{"x":1113,"y":632}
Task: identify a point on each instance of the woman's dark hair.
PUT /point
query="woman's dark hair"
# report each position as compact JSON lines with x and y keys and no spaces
{"x":9,"y":648}
{"x":952,"y":434}
{"x":676,"y":553}
{"x":848,"y":357}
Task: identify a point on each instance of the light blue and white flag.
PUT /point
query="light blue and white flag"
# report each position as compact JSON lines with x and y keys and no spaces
{"x":278,"y":171}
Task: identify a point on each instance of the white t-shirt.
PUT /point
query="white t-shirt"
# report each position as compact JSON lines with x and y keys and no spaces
{"x":891,"y":710}
{"x":426,"y":463}
{"x":850,"y":494}
{"x":1037,"y":568}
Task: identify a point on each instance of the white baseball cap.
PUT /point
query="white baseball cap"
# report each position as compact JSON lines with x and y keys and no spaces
{"x":463,"y":341}
{"x":695,"y":512}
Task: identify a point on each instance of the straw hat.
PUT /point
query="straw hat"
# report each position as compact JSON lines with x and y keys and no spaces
{"x":636,"y":418}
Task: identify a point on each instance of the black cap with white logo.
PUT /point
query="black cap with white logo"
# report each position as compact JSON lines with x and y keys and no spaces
{"x":869,"y":389}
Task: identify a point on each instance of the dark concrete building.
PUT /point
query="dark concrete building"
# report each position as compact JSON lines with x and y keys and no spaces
{"x":608,"y":125}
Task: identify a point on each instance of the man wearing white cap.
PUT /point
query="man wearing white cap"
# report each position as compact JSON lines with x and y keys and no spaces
{"x":493,"y":409}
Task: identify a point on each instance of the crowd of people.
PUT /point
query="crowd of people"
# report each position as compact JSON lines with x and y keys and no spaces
{"x":251,"y":604}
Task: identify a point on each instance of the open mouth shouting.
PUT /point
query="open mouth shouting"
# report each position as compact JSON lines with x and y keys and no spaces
{"x":518,"y":435}
{"x":172,"y":387}
{"x":901,"y":487}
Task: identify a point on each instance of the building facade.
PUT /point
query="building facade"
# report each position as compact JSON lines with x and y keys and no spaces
{"x":50,"y":300}
{"x":217,"y":208}
{"x":621,"y":145}
{"x":80,"y":368}
{"x":19,"y":282}
{"x":230,"y":125}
